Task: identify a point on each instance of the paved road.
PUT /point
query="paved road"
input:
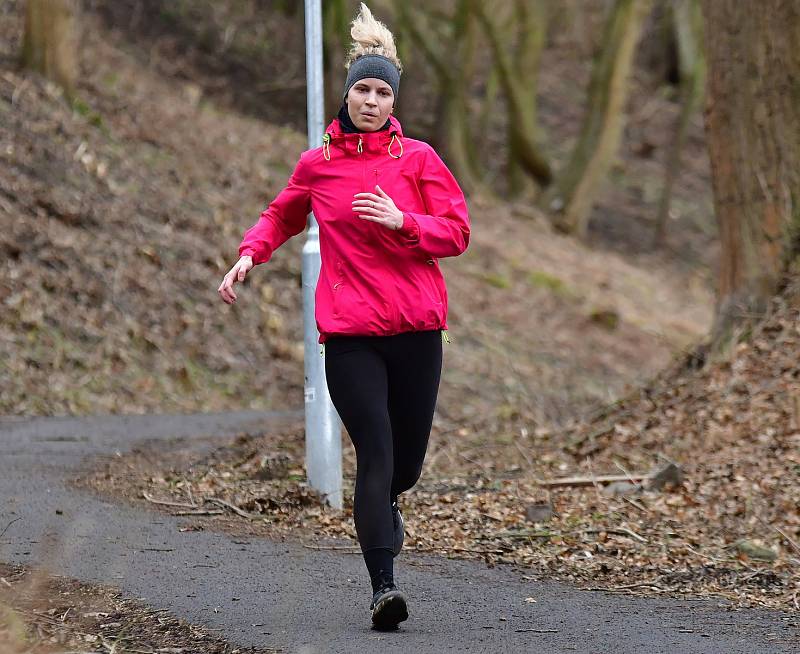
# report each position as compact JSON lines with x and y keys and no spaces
{"x":306,"y":601}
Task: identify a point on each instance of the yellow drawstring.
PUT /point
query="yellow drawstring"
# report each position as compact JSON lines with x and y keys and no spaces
{"x":445,"y":337}
{"x":394,"y":136}
{"x":326,"y":146}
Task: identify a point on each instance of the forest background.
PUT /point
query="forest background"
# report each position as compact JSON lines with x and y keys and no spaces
{"x":627,"y":298}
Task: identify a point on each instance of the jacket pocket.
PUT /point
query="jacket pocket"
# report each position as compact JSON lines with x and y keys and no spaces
{"x":338,"y":288}
{"x":430,"y":288}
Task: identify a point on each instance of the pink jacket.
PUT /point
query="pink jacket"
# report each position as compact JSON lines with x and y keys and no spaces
{"x":373,"y":280}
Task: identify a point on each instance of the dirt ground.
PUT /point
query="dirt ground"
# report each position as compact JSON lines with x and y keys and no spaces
{"x":41,"y":613}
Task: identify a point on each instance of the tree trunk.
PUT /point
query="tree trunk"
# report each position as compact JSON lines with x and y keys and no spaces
{"x":753,"y":125}
{"x":336,"y":41}
{"x":573,"y":193}
{"x":487,"y":108}
{"x":518,"y":76}
{"x":452,"y":60}
{"x":687,"y":22}
{"x":50,"y":45}
{"x":580,"y":32}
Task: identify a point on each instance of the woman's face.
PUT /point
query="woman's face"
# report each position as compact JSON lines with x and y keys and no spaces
{"x":369,"y":103}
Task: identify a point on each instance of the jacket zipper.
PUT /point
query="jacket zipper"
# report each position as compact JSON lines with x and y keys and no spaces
{"x":363,"y":168}
{"x":395,"y":307}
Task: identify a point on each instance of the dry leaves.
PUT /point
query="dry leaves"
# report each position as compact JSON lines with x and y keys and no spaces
{"x":122,"y":228}
{"x":730,"y":528}
{"x":42,"y":613}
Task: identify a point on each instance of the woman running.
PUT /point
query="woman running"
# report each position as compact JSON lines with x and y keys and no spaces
{"x":388,"y":209}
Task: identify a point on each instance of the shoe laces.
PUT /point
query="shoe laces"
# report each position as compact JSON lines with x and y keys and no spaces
{"x":382,"y":590}
{"x":385,"y":583}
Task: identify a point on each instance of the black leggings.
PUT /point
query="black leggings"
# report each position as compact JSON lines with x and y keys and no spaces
{"x":384,"y":389}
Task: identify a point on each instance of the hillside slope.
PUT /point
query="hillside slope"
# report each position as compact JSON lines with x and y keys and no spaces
{"x":120,"y":217}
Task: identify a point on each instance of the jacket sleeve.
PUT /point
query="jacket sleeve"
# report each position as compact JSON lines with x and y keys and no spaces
{"x":283,"y":218}
{"x":443,"y":231}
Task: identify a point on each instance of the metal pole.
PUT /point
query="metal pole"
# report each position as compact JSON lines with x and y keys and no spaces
{"x":323,"y":426}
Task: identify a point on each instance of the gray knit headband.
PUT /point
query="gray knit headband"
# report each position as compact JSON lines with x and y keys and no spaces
{"x":373,"y":65}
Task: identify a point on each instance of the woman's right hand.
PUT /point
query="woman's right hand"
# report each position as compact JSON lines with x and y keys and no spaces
{"x":235,"y":274}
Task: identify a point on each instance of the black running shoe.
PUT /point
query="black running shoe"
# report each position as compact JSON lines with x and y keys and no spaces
{"x":399,"y":529}
{"x":388,"y":607}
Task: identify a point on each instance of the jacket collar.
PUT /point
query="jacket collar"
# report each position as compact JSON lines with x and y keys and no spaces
{"x":370,"y":141}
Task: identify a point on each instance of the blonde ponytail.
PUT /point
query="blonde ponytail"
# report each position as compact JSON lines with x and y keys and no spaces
{"x":370,"y":36}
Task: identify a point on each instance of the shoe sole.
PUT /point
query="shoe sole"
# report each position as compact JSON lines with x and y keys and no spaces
{"x":390,"y":610}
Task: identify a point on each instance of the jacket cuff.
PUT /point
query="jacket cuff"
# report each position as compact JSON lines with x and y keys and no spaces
{"x":250,"y":252}
{"x":409,"y":230}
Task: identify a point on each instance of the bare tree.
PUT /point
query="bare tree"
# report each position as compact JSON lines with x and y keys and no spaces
{"x":753,"y":125}
{"x":447,"y":38}
{"x":573,"y":193}
{"x":49,"y":44}
{"x":517,"y":68}
{"x":336,"y":22}
{"x":687,"y":22}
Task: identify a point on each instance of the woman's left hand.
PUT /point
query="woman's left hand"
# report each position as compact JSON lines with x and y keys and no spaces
{"x":379,"y":208}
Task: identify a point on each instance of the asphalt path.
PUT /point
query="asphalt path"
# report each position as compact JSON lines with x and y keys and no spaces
{"x":284,"y":596}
